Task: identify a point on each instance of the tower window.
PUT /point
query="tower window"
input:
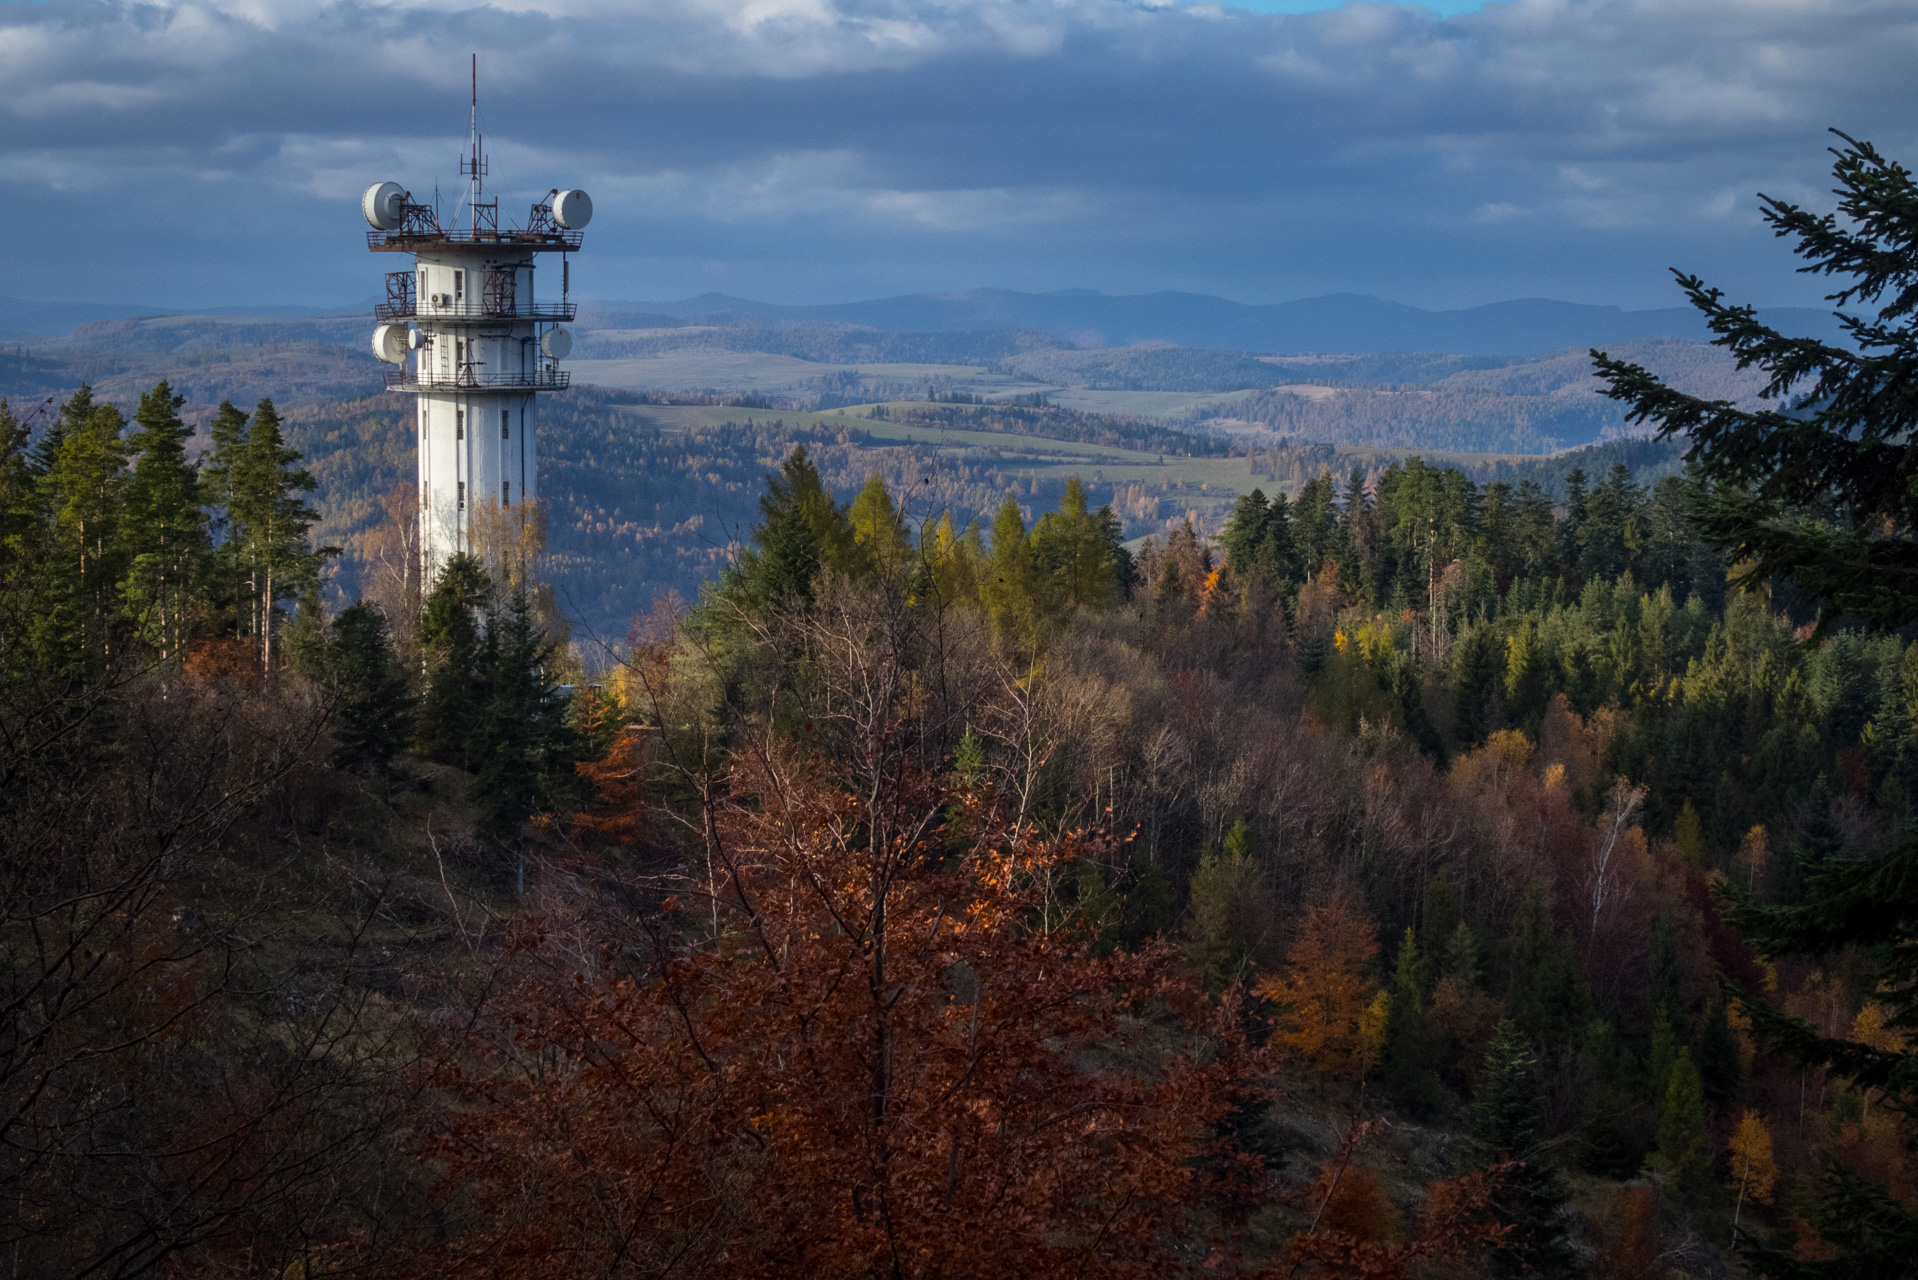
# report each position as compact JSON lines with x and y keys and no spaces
{"x":459,"y":424}
{"x":506,"y":424}
{"x":506,"y":493}
{"x":459,"y":287}
{"x":462,"y":492}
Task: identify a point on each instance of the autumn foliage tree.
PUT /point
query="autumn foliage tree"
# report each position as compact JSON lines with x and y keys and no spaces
{"x":878,"y":1063}
{"x":1330,"y":1013}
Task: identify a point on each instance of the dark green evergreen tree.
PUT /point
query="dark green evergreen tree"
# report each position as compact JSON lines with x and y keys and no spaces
{"x":266,"y":501}
{"x":801,"y":531}
{"x":1534,"y":530}
{"x":371,"y":703}
{"x":1507,"y":1122}
{"x":230,"y":594}
{"x":525,"y":748}
{"x":1071,"y":549}
{"x":1478,"y":682}
{"x":1684,"y":1150}
{"x":1608,"y":532}
{"x":1258,"y":541}
{"x":1571,"y":531}
{"x":165,"y":527}
{"x":1545,"y":994}
{"x":1411,"y":1046}
{"x":452,"y":636}
{"x":80,"y":479}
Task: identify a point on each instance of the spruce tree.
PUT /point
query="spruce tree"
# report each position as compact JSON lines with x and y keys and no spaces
{"x":1070,"y":548}
{"x":21,"y":541}
{"x":801,"y":531}
{"x":524,"y":749}
{"x":165,"y":527}
{"x":1684,"y":1152}
{"x":1507,"y":1123}
{"x":1411,"y":1045}
{"x":452,"y":636}
{"x":80,"y":481}
{"x":228,"y":436}
{"x":1821,"y":485}
{"x":370,"y":702}
{"x":266,"y":500}
{"x":19,"y":517}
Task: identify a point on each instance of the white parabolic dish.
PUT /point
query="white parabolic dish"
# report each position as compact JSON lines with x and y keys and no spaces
{"x":389,"y":343}
{"x":384,"y":205}
{"x":573,"y":210}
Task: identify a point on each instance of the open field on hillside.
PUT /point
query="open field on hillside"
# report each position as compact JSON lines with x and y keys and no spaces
{"x":703,"y":367}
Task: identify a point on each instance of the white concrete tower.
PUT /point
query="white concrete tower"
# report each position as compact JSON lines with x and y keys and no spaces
{"x":481,"y":345}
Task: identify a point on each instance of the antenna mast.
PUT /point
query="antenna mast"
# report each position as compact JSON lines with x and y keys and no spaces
{"x":474,"y":164}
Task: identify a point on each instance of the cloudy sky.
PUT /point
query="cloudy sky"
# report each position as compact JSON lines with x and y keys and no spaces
{"x":209,"y":153}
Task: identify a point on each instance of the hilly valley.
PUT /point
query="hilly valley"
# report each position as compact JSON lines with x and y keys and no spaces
{"x":652,"y":465}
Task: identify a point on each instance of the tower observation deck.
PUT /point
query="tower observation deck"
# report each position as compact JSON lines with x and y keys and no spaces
{"x":473,"y":343}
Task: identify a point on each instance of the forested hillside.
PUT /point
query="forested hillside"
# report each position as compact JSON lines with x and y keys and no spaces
{"x":1427,"y":877}
{"x":1365,"y":854}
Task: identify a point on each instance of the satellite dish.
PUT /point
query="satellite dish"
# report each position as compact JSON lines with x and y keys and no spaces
{"x":573,"y":210}
{"x":389,"y":343}
{"x":384,"y":205}
{"x":415,"y":339}
{"x":557,"y":344}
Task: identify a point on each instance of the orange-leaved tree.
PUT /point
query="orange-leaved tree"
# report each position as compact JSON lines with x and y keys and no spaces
{"x":876,"y":1066}
{"x":1328,"y":1015}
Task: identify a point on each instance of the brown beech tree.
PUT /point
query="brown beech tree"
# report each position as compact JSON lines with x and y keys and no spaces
{"x":877,"y":1067}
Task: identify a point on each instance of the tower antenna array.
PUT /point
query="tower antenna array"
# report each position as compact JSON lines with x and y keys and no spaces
{"x":471,"y":341}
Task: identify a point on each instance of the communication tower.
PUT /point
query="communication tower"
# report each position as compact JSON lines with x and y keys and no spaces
{"x":480,"y":345}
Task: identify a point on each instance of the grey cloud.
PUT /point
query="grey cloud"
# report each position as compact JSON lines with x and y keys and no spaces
{"x":807,"y":147}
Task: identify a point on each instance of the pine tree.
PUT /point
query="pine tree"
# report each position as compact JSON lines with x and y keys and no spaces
{"x":1534,"y":529}
{"x":1258,"y":541}
{"x":1507,"y":1123}
{"x":19,"y":518}
{"x":165,"y":526}
{"x":1478,"y":682}
{"x":1571,"y":531}
{"x":1546,"y":991}
{"x":1608,"y":533}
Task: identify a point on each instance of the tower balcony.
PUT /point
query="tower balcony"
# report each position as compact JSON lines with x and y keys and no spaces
{"x":409,"y":240}
{"x":472,"y":377}
{"x":409,"y":309}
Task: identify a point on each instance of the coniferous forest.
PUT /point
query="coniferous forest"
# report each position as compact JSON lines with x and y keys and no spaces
{"x":1423,"y":878}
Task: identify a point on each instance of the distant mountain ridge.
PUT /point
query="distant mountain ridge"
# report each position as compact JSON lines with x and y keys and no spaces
{"x":1343,"y":322}
{"x":22,"y":317}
